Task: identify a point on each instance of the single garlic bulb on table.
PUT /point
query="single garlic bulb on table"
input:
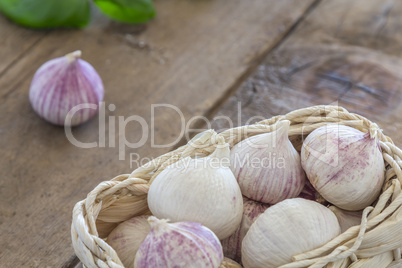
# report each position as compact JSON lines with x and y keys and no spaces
{"x":181,"y":244}
{"x":267,"y":166}
{"x":232,"y":245}
{"x":201,"y":190}
{"x":344,"y":165}
{"x":63,"y":83}
{"x":288,"y":228}
{"x":127,"y":237}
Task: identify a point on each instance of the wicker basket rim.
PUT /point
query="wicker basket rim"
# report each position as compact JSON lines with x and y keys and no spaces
{"x":351,"y":245}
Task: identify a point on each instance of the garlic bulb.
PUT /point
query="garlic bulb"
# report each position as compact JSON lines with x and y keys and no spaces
{"x":228,"y":263}
{"x":267,"y":166}
{"x":201,"y":190}
{"x":61,"y":84}
{"x":285,"y":229}
{"x":127,"y":237}
{"x":232,"y":245}
{"x":344,"y":165}
{"x":181,"y":244}
{"x":346,"y":218}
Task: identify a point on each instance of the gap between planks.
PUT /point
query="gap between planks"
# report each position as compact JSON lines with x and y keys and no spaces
{"x":22,"y":54}
{"x":199,"y":123}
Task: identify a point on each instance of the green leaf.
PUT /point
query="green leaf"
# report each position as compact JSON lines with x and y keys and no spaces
{"x":47,"y":13}
{"x":131,"y":11}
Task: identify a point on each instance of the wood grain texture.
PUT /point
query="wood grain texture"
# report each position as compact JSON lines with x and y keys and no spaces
{"x":15,"y":41}
{"x":190,"y":56}
{"x":346,"y":53}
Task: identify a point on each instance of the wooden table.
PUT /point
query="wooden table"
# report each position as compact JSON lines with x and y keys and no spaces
{"x":207,"y":58}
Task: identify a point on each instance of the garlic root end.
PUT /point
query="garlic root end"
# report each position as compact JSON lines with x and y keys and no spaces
{"x":73,"y":56}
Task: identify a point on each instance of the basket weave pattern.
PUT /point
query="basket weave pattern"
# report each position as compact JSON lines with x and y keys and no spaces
{"x":377,"y":240}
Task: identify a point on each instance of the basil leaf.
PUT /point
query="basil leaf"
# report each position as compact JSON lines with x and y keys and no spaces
{"x":47,"y":13}
{"x":131,"y":11}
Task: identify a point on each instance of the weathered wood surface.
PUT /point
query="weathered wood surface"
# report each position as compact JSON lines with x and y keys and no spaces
{"x":345,"y":53}
{"x":190,"y":56}
{"x":15,"y":41}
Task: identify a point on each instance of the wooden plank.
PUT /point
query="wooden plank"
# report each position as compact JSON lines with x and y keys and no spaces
{"x":15,"y":41}
{"x":345,"y":52}
{"x":190,"y":56}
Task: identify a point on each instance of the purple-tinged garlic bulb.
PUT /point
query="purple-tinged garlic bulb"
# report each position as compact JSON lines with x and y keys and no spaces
{"x":63,"y":83}
{"x":344,"y":165}
{"x":180,"y":244}
{"x":127,"y":237}
{"x":232,"y":245}
{"x":267,"y":166}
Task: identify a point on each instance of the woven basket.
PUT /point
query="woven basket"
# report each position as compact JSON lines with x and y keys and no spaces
{"x":377,"y":242}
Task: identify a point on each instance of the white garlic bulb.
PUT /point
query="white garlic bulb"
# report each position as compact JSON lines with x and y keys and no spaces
{"x":127,"y":237}
{"x":181,"y":244}
{"x":267,"y":166}
{"x":201,"y":190}
{"x":232,"y":245}
{"x":285,"y":229}
{"x":62,"y":84}
{"x":347,"y":218}
{"x":344,"y":165}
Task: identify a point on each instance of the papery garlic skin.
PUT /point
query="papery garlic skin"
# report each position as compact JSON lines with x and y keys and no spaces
{"x":127,"y":237}
{"x":232,"y":245}
{"x":344,"y":165}
{"x":181,"y":244}
{"x":201,"y":190}
{"x":285,"y":229}
{"x":278,"y":176}
{"x":347,"y":218}
{"x":228,"y":263}
{"x":63,"y":83}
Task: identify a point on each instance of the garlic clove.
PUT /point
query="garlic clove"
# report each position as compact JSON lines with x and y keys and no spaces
{"x":344,"y":165}
{"x":285,"y":229}
{"x":201,"y":190}
{"x":267,"y":166}
{"x":61,"y":84}
{"x":346,"y":218}
{"x":228,"y":263}
{"x":232,"y":245}
{"x":127,"y":237}
{"x":181,"y":244}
